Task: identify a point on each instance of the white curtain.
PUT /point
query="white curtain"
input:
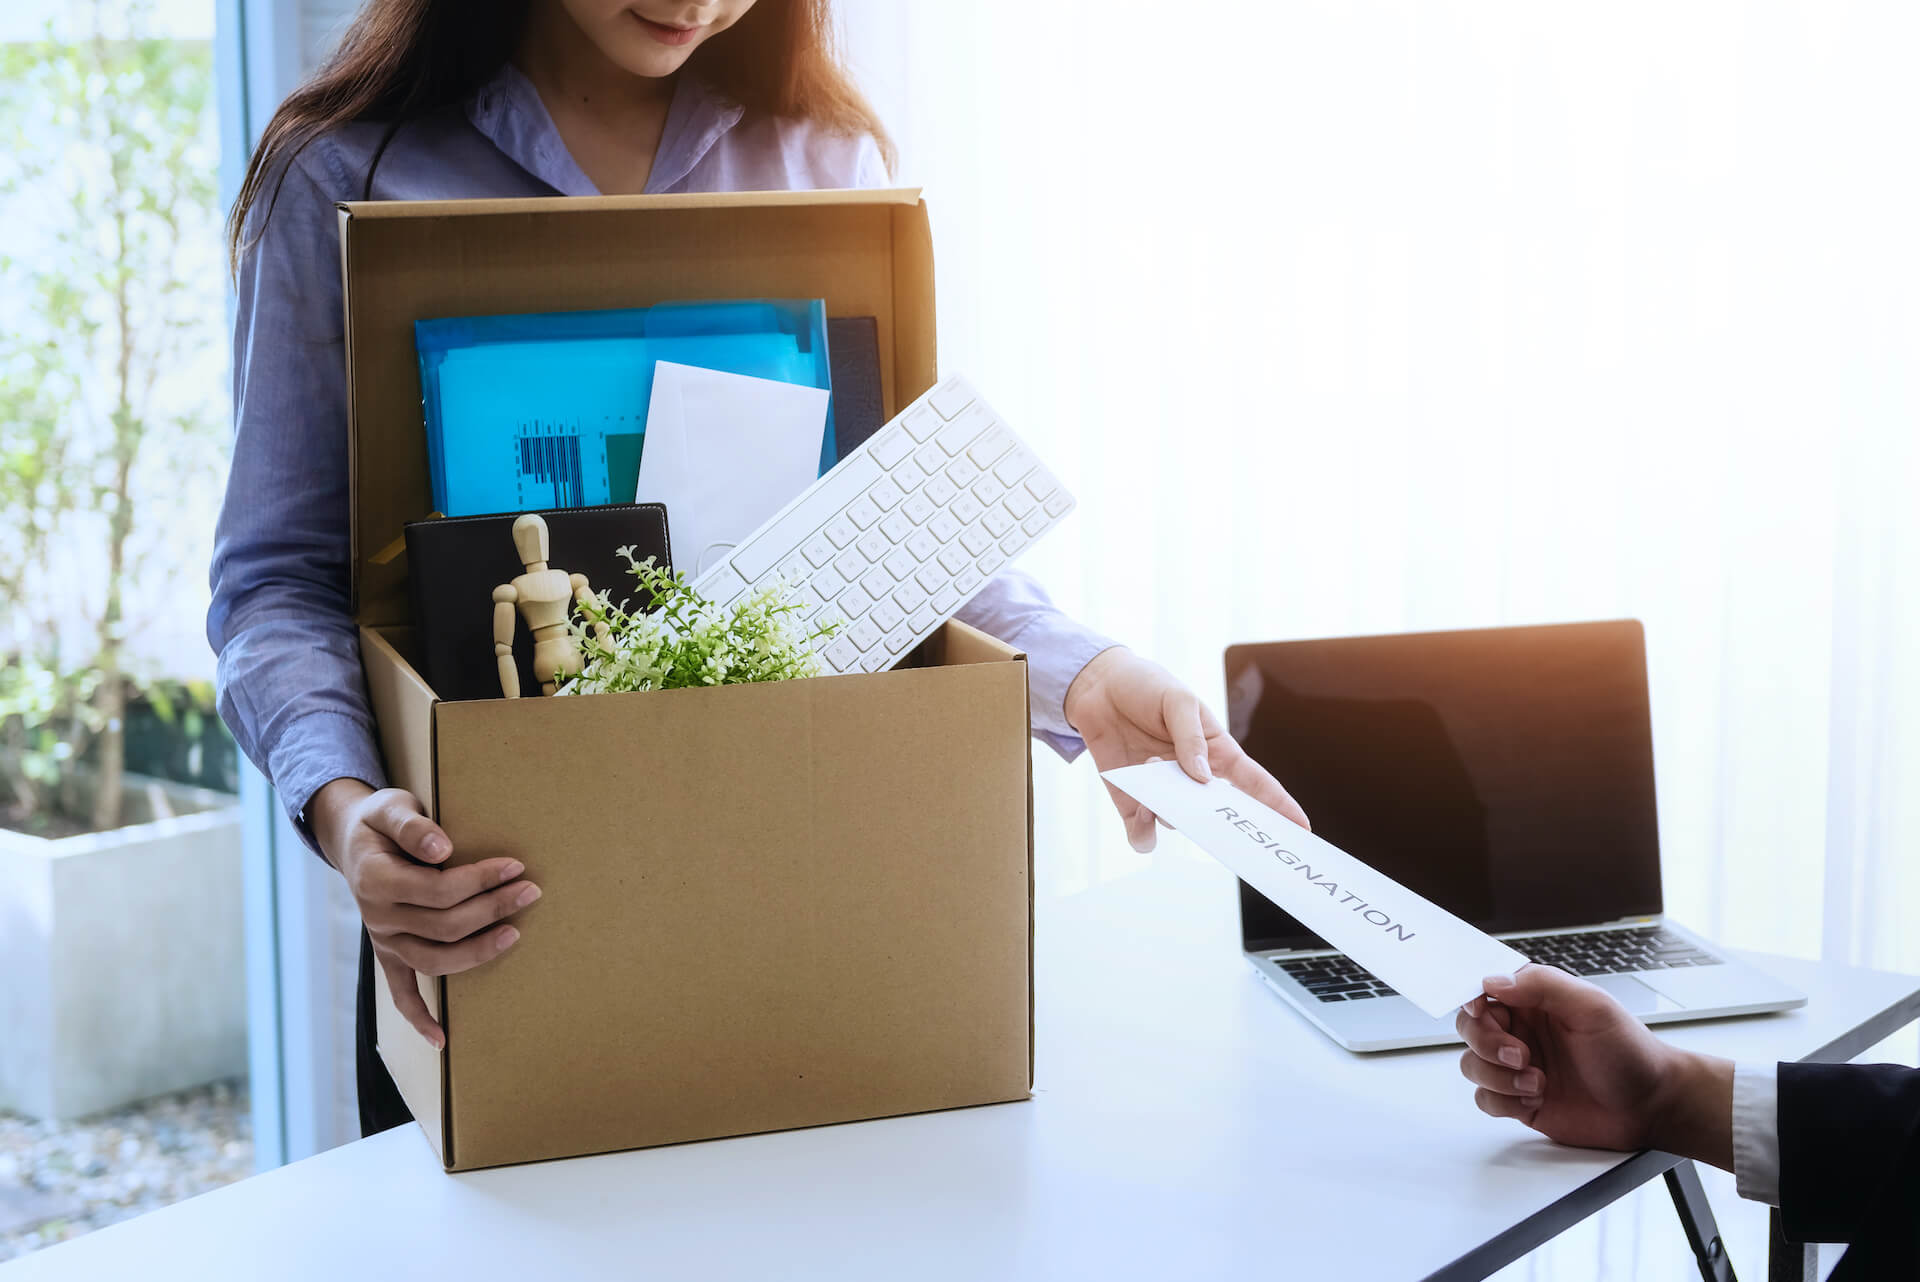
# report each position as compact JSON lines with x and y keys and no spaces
{"x":1350,"y":316}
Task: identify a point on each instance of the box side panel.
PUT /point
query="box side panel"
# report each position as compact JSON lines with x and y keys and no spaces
{"x":568,"y":256}
{"x":402,"y":710}
{"x":916,"y":359}
{"x":961,"y":643}
{"x":403,"y":706}
{"x":765,"y":907}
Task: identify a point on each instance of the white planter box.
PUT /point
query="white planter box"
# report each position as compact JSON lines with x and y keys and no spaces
{"x":122,"y":964}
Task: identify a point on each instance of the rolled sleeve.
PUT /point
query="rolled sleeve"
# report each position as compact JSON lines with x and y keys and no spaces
{"x":1016,"y":609}
{"x":1756,"y":1132}
{"x":289,"y":679}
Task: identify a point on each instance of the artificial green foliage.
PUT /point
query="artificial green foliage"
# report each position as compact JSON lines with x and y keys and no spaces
{"x":683,"y":639}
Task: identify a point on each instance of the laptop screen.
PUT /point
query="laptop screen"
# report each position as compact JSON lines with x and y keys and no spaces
{"x":1506,"y":774}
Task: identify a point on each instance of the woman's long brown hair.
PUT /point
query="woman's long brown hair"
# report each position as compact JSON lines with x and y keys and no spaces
{"x":402,"y":59}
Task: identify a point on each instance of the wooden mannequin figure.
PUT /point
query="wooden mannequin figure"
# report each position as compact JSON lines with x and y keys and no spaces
{"x":544,"y":597}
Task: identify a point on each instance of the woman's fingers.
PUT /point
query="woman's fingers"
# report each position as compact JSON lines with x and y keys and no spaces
{"x":395,"y":881}
{"x":407,"y":999}
{"x":430,"y":958}
{"x":449,"y":925}
{"x":1250,"y":777}
{"x":396,"y":815}
{"x":1525,"y":1084}
{"x":1180,"y":709}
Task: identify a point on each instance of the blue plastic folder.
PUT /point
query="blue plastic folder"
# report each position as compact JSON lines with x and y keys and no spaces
{"x":549,"y":409}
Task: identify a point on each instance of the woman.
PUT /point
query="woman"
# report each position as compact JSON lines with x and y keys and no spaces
{"x":451,"y":99}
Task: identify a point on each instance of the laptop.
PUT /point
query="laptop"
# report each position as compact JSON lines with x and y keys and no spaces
{"x":1506,"y":774}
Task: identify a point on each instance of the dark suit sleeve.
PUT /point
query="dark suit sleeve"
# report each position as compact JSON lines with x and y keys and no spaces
{"x":1850,"y":1159}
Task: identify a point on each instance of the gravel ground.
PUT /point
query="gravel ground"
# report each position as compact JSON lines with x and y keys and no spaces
{"x":61,"y":1179}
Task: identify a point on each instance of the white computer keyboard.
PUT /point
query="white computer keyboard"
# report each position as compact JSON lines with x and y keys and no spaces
{"x":902,"y":532}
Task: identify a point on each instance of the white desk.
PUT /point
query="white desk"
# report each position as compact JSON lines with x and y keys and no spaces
{"x":1185,"y":1124}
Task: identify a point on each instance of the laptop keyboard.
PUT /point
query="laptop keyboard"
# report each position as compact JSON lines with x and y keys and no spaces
{"x":1597,"y":952}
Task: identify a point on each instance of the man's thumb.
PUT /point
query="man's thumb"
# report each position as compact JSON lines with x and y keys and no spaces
{"x":1534,"y":986}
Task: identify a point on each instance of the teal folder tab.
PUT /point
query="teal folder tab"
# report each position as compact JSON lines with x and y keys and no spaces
{"x":549,"y":410}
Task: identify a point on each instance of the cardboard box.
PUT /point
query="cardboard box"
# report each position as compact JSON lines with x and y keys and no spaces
{"x":765,"y":906}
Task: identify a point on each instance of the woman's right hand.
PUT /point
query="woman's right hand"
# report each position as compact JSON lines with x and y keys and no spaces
{"x":422,"y":918}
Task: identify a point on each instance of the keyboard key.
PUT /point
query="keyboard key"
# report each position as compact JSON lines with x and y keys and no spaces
{"x":963,"y":474}
{"x":826,"y":584}
{"x":922,"y":545}
{"x":1034,"y":524}
{"x":794,"y":570}
{"x":920,"y":423}
{"x":891,"y":447}
{"x":778,"y":539}
{"x":930,"y":460}
{"x":1019,"y":503}
{"x":896,"y":527}
{"x":1058,"y":504}
{"x":902,"y":638}
{"x":864,"y":634}
{"x":975,"y":541}
{"x":944,"y":528}
{"x":852,"y":603}
{"x":922,"y":620}
{"x":877,"y":584}
{"x":873,"y":545}
{"x":863,"y":513}
{"x":960,"y":433}
{"x":910,"y":598}
{"x":989,"y":492}
{"x":941,"y":491}
{"x":842,"y":653}
{"x":886,"y":616}
{"x":840,"y":532}
{"x":966,"y":509}
{"x":900,"y":564}
{"x":997,"y":522}
{"x":992,"y":561}
{"x":989,"y":447}
{"x":945,"y":600}
{"x":907,"y":477}
{"x":968,"y":583}
{"x":1013,"y":543}
{"x":955,"y":558}
{"x":950,"y":398}
{"x":1040,"y":484}
{"x":1013,"y":467}
{"x":852,"y":565}
{"x":885,"y":494}
{"x":919,"y":509}
{"x":818,"y":551}
{"x":932,"y":578}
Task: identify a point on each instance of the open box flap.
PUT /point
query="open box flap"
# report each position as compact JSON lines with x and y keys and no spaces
{"x":867,"y":253}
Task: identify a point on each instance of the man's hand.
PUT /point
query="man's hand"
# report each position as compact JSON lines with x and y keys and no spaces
{"x":1131,"y":711}
{"x":421,"y":918}
{"x":1564,"y":1057}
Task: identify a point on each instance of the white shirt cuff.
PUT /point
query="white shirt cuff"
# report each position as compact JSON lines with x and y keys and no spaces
{"x":1756,"y":1132}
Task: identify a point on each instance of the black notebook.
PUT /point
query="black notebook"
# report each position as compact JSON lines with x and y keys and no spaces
{"x":853,"y":355}
{"x":455,"y":563}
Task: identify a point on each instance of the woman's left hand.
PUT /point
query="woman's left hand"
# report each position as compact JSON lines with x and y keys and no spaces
{"x":1130,"y":710}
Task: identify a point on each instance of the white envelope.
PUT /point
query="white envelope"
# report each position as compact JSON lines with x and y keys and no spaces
{"x":724,"y":452}
{"x":1425,"y":953}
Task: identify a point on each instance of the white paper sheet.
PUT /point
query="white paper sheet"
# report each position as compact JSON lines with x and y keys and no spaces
{"x":1424,"y":952}
{"x":724,"y":452}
